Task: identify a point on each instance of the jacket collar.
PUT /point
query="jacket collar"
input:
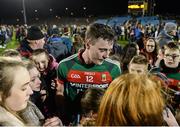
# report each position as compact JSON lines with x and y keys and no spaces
{"x":8,"y":119}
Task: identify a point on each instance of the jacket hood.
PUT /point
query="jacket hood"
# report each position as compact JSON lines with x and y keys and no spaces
{"x":165,"y":34}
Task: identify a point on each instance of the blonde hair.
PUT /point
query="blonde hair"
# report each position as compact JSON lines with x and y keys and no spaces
{"x":139,"y":59}
{"x":7,"y":65}
{"x":11,"y":53}
{"x":131,"y":99}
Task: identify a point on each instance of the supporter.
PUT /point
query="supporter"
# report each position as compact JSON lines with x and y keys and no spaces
{"x":66,"y":37}
{"x":87,"y":69}
{"x":150,"y":51}
{"x":78,"y":43}
{"x":21,"y":32}
{"x":59,"y":47}
{"x":169,"y":65}
{"x":35,"y":83}
{"x":39,"y":95}
{"x":14,"y":96}
{"x":31,"y":115}
{"x":14,"y":91}
{"x":117,"y":48}
{"x":138,"y":64}
{"x":34,"y":40}
{"x":131,"y":100}
{"x":160,"y":56}
{"x":3,"y":35}
{"x":44,"y":61}
{"x":128,"y":52}
{"x":140,"y":42}
{"x":121,"y":31}
{"x":138,"y":31}
{"x":90,"y":104}
{"x":167,"y":34}
{"x":47,"y":66}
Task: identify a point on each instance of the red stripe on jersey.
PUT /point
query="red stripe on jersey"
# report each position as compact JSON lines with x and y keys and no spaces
{"x":60,"y":81}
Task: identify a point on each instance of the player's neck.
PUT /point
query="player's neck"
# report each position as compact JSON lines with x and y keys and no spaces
{"x":86,"y":58}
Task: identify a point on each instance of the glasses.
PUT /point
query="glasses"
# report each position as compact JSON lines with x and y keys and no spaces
{"x":171,"y":56}
{"x":152,"y":46}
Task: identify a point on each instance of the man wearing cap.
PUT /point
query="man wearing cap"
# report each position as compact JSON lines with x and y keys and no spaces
{"x":34,"y":40}
{"x":167,"y":34}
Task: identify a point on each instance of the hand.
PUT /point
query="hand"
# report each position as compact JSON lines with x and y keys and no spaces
{"x":43,"y":95}
{"x":160,"y":55}
{"x":150,"y":62}
{"x":54,"y":121}
{"x":87,"y":121}
{"x":169,"y":118}
{"x":59,"y":89}
{"x":53,"y":84}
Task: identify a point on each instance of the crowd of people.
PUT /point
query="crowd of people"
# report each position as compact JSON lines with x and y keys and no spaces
{"x":82,"y":76}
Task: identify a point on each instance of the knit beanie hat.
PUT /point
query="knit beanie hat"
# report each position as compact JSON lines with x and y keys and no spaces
{"x":170,"y":26}
{"x":34,"y":33}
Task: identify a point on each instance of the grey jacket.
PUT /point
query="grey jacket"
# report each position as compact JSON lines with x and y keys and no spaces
{"x":163,"y":39}
{"x":31,"y":115}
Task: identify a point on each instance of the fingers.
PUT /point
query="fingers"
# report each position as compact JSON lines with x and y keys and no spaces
{"x":43,"y":91}
{"x":60,"y":89}
{"x":43,"y":94}
{"x":55,"y":121}
{"x":53,"y":84}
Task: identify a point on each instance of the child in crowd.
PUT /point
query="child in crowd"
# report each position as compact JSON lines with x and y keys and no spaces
{"x":46,"y":65}
{"x":170,"y":67}
{"x":138,"y":64}
{"x":39,"y":96}
{"x":90,"y":102}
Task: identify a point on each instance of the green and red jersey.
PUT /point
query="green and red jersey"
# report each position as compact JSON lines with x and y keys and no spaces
{"x":173,"y":75}
{"x":78,"y":76}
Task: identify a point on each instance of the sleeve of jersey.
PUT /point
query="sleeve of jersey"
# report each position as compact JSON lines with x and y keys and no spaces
{"x":61,"y":73}
{"x":115,"y":72}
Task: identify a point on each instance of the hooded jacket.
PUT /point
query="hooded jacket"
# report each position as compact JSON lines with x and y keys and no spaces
{"x":164,"y":38}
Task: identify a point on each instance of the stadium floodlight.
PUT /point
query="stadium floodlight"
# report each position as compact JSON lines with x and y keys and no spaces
{"x":50,"y":9}
{"x":24,"y":12}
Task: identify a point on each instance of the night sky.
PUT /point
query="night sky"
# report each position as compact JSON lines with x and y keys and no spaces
{"x":11,"y":9}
